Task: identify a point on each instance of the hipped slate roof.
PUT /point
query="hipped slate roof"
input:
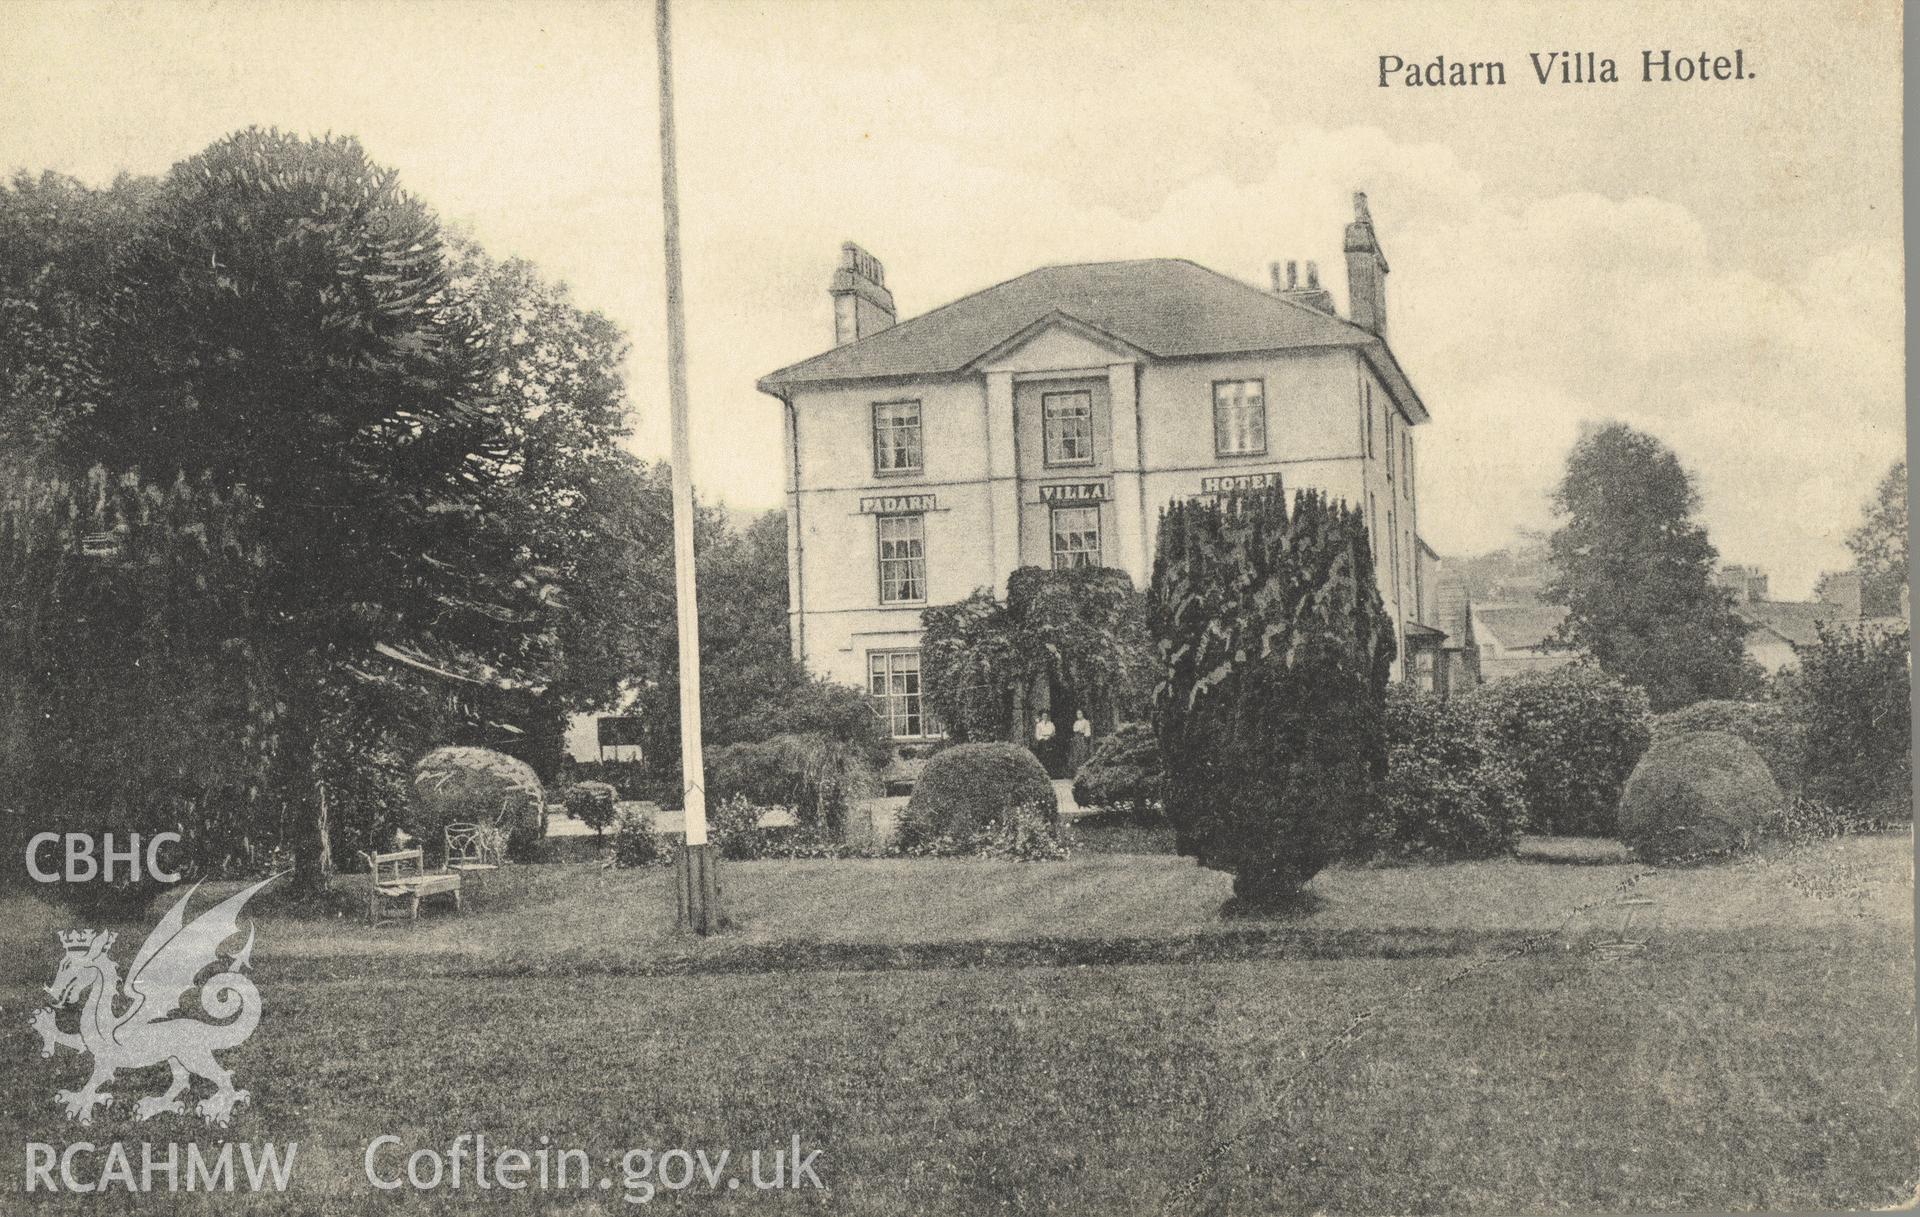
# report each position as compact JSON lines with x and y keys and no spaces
{"x":1166,"y":308}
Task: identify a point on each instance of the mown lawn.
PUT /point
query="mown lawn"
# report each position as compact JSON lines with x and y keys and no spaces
{"x":1433,"y":1039}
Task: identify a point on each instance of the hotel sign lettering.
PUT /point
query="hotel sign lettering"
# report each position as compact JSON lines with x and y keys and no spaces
{"x":897,"y":504}
{"x":1227,"y":484}
{"x":1074,"y":492}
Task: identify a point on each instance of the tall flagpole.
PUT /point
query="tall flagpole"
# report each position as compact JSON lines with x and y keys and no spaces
{"x":698,"y":886}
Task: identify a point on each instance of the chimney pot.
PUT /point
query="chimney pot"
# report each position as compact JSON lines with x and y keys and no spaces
{"x":1313,"y":276}
{"x":1273,"y":272}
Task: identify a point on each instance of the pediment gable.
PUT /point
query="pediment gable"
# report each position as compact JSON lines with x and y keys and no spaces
{"x":1057,"y":342}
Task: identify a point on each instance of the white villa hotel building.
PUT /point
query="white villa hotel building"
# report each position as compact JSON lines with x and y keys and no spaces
{"x":1045,"y":421}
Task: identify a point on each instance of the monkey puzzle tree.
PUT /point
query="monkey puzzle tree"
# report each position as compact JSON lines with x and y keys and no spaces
{"x":1274,"y":655}
{"x":284,"y":322}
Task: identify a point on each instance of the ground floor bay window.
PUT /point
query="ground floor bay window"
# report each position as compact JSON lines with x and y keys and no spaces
{"x":893,"y":681}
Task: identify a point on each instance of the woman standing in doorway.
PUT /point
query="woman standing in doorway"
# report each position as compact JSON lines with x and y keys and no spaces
{"x":1082,"y":741}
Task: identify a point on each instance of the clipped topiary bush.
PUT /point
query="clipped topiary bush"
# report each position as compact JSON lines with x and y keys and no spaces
{"x":1574,"y":733}
{"x":1124,"y":774}
{"x":1772,"y":727}
{"x":594,"y":804}
{"x":1696,"y":797}
{"x":477,"y":786}
{"x":1450,"y":791}
{"x":1274,"y":655}
{"x":969,"y":786}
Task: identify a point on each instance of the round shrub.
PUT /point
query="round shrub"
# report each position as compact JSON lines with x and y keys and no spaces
{"x":1450,"y":790}
{"x":478,"y":786}
{"x":1124,"y":774}
{"x":969,"y":786}
{"x":635,"y":843}
{"x":1775,"y":732}
{"x":1574,"y":733}
{"x":1696,"y":796}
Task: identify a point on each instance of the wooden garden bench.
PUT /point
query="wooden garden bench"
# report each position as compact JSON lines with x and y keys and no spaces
{"x":403,"y":876}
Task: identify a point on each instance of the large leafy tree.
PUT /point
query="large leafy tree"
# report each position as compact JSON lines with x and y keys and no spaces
{"x":1879,"y":545}
{"x":284,"y":322}
{"x":746,"y":658}
{"x":591,"y":519}
{"x":1274,"y":655}
{"x":1634,"y":568}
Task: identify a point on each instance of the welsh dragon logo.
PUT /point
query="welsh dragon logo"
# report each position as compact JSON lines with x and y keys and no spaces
{"x":139,"y":1034}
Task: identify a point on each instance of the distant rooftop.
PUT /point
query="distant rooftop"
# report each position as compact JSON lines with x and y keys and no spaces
{"x":1519,"y":626}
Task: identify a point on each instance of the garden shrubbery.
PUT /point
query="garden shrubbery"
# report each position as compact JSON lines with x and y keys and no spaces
{"x":969,"y":786}
{"x":1450,"y":790}
{"x":1772,"y":727}
{"x":815,"y":775}
{"x":1575,"y":734}
{"x":1696,"y":797}
{"x":635,"y":843}
{"x":478,"y":786}
{"x":1852,"y":691}
{"x":1124,"y":774}
{"x":1024,"y":833}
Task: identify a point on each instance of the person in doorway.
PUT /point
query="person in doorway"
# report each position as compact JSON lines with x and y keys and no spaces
{"x":1082,"y":742}
{"x":1043,"y":733}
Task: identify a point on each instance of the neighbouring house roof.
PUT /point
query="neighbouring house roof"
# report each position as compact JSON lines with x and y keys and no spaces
{"x":1797,"y":621}
{"x":1416,"y":630}
{"x":1167,"y":308}
{"x":1453,"y":612}
{"x":1519,"y":626}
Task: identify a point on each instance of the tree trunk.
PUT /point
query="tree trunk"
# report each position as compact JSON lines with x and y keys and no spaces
{"x":306,"y":800}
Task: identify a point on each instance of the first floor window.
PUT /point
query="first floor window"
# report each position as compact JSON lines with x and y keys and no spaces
{"x":1076,"y":537}
{"x":893,"y":679}
{"x":903,"y":559}
{"x":1239,"y":417}
{"x":1067,"y":420}
{"x":896,"y":437}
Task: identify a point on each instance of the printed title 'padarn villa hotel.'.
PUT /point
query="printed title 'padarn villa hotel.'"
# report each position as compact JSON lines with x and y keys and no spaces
{"x":1045,"y":421}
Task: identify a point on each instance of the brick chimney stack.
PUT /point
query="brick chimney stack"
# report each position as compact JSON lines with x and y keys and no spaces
{"x":1366,"y":271}
{"x":862,"y":305}
{"x":1312,"y":295}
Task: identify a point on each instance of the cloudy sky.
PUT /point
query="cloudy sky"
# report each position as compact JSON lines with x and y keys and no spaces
{"x":1718,"y":263}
